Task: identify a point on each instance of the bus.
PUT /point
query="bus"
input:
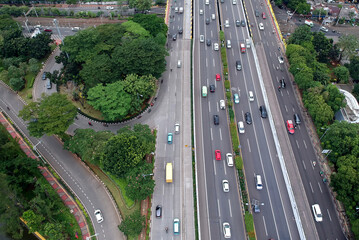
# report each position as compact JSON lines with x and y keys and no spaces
{"x":169,"y":178}
{"x":204,"y":91}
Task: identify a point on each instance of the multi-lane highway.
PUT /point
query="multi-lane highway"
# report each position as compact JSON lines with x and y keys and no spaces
{"x":215,"y":205}
{"x":300,"y":143}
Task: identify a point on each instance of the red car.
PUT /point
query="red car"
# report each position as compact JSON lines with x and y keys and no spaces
{"x":218,"y":77}
{"x":290,"y":127}
{"x":263,"y":15}
{"x":218,"y":154}
{"x":48,"y":30}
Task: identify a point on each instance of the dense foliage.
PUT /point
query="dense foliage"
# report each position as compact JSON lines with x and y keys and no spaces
{"x":25,"y":193}
{"x":308,"y":60}
{"x":342,"y":139}
{"x":20,"y":55}
{"x":308,"y":55}
{"x":133,"y":225}
{"x":117,"y":64}
{"x":52,"y":115}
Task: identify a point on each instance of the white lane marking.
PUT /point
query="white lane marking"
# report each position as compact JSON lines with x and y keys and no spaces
{"x":211,"y":135}
{"x":249,"y":146}
{"x":206,"y":62}
{"x":270,"y":54}
{"x":265,"y":226}
{"x":286,"y":109}
{"x":219,"y":210}
{"x":305,"y":145}
{"x":209,"y":106}
{"x":305,"y":167}
{"x":220,"y":133}
{"x":297,"y":143}
{"x":311,"y":187}
{"x":225,"y":169}
{"x":214,"y":62}
{"x":230,"y":207}
{"x":330,"y":218}
{"x":320,"y":187}
{"x":214,"y":167}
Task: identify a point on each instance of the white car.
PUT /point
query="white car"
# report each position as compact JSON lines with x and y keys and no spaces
{"x":280,"y":59}
{"x":324,"y":29}
{"x":317,"y":213}
{"x":261,"y":26}
{"x":289,"y":13}
{"x":216,"y":46}
{"x":109,"y":7}
{"x":226,"y":230}
{"x":225,"y":185}
{"x":98,"y":216}
{"x":201,"y":12}
{"x":201,"y":38}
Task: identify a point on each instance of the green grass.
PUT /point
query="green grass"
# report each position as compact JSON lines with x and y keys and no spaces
{"x":248,"y":219}
{"x":239,"y":162}
{"x":116,"y":188}
{"x":235,"y":141}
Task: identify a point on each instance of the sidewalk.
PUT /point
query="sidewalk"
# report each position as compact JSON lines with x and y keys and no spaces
{"x":64,"y":195}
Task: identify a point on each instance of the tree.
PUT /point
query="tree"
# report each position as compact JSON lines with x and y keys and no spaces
{"x":98,"y":71}
{"x":354,"y":68}
{"x":141,"y":57}
{"x":303,"y":8}
{"x":355,"y":91}
{"x":300,"y":35}
{"x":304,"y":78}
{"x":342,"y":138}
{"x":88,"y":144}
{"x":10,"y":213}
{"x":348,"y":44}
{"x":33,"y":220}
{"x":322,"y":46}
{"x":320,"y":111}
{"x":321,"y":73}
{"x":333,"y":97}
{"x":140,"y":4}
{"x":113,"y":102}
{"x":17,"y":84}
{"x":14,"y":72}
{"x":153,"y":24}
{"x":53,"y":115}
{"x":53,"y":232}
{"x":39,"y":46}
{"x":133,"y":224}
{"x":342,"y":74}
{"x":139,"y":184}
{"x":123,"y":152}
{"x":33,"y":65}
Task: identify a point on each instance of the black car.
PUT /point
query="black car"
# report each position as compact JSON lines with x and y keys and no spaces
{"x":238,"y":23}
{"x":212,"y":88}
{"x":209,"y":42}
{"x":158,"y":211}
{"x":207,"y":21}
{"x":216,"y":119}
{"x":44,"y":76}
{"x":296,"y":119}
{"x":257,"y":13}
{"x":263,"y":111}
{"x":243,"y":23}
{"x":248,"y":118}
{"x":282,"y":83}
{"x":174,"y":37}
{"x":180,"y":30}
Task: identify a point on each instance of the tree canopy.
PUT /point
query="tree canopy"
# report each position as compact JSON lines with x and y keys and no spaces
{"x":52,"y":115}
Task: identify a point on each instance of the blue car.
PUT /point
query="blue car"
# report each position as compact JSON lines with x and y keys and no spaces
{"x":169,"y":138}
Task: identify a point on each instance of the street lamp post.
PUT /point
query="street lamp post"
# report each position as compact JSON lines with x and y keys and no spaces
{"x":88,"y":238}
{"x":145,"y":175}
{"x":323,"y":134}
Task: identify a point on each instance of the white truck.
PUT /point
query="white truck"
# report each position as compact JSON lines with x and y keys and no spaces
{"x":309,"y":23}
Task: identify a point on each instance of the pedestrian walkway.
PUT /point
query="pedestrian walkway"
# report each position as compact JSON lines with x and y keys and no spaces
{"x":64,"y":195}
{"x":145,"y":205}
